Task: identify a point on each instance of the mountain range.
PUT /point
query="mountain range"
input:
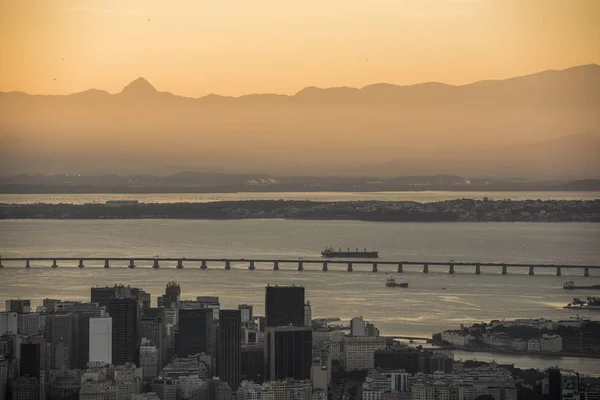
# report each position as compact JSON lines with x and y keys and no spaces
{"x":542,"y":126}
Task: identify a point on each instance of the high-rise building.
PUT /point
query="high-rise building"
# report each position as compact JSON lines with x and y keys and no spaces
{"x":211,"y":302}
{"x":62,"y":334}
{"x":359,"y":351}
{"x":64,"y":384}
{"x":288,"y":352}
{"x":149,"y":360}
{"x":31,"y":323}
{"x":171,"y":296}
{"x":307,"y":314}
{"x":229,"y":347}
{"x":253,"y":363}
{"x":8,"y":322}
{"x":19,"y":306}
{"x":358,"y":327}
{"x":405,"y":358}
{"x":153,"y":328}
{"x":100,"y":340}
{"x":246,"y":310}
{"x":49,"y":304}
{"x":3,"y":377}
{"x":195,"y":332}
{"x":284,"y":305}
{"x":125,"y":330}
{"x":30,"y":361}
{"x":102,"y":295}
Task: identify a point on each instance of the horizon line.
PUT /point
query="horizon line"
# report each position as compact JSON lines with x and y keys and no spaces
{"x":146,"y":82}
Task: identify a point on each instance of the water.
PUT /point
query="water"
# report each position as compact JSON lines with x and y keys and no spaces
{"x":422,"y":197}
{"x":425,"y":307}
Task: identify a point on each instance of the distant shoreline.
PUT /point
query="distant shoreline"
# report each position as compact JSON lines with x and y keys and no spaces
{"x":464,"y":210}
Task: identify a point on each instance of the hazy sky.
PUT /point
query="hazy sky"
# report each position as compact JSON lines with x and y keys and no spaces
{"x":196,"y":47}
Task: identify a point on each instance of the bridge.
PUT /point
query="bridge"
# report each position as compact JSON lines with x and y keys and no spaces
{"x":373,"y":265}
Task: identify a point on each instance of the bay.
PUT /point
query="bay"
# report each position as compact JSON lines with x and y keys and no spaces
{"x":422,"y":309}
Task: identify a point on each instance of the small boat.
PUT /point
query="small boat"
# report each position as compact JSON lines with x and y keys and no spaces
{"x":391,"y":282}
{"x":570,"y":285}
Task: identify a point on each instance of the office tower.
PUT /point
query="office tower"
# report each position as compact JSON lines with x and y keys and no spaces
{"x":229,"y":347}
{"x":562,"y":384}
{"x":153,"y":328}
{"x":397,"y":358}
{"x":253,"y":363}
{"x":3,"y":377}
{"x":8,"y":322}
{"x":288,"y":352}
{"x":195,"y":331}
{"x":102,"y":295}
{"x":19,"y":306}
{"x":49,"y":304}
{"x":62,"y":334}
{"x":30,"y":360}
{"x":358,"y":327}
{"x":211,"y":302}
{"x":246,"y":310}
{"x":100,"y":340}
{"x":171,"y":296}
{"x":125,"y":330}
{"x":284,"y":305}
{"x":149,"y":360}
{"x":307,"y":314}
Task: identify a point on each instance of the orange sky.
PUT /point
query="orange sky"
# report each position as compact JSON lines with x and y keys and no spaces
{"x":196,"y":47}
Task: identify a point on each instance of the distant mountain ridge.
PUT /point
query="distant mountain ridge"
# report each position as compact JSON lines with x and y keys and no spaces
{"x":432,"y":128}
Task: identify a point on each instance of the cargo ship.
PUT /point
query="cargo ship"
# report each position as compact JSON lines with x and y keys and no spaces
{"x":391,"y":282}
{"x":571,"y":285}
{"x":330,"y":252}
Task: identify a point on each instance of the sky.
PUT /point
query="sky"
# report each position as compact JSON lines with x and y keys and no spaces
{"x":197,"y":47}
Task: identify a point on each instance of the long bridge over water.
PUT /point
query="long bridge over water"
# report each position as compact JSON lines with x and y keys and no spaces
{"x":299,"y":263}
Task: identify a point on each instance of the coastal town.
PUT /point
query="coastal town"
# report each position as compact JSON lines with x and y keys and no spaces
{"x":579,"y":336}
{"x":463,"y":210}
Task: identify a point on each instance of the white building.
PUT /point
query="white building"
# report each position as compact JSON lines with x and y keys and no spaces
{"x":533,"y":345}
{"x":145,"y":396}
{"x":358,"y":326}
{"x":128,"y":379}
{"x":359,"y":352}
{"x":149,"y":361}
{"x":8,"y":323}
{"x":457,"y":338}
{"x":307,"y":314}
{"x":187,"y":386}
{"x":165,"y":389}
{"x":101,"y":340}
{"x":31,"y":323}
{"x":551,"y":343}
{"x":326,"y":335}
{"x":519,"y":344}
{"x":98,"y":390}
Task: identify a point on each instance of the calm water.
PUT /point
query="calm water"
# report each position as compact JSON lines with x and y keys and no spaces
{"x":422,"y":197}
{"x":420,"y":310}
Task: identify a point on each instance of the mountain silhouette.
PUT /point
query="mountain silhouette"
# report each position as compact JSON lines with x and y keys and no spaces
{"x":431,"y":128}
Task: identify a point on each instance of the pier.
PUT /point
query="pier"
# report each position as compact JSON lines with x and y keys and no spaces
{"x":298,"y":263}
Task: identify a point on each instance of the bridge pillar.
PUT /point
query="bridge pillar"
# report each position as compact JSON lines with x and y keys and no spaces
{"x":203,"y":265}
{"x":400,"y":268}
{"x":349,"y":267}
{"x":179,"y":264}
{"x":530,"y":270}
{"x":155,"y":264}
{"x":1,"y":266}
{"x":227,"y":265}
{"x":26,"y":264}
{"x":477,"y":269}
{"x":80,"y":264}
{"x":251,"y":267}
{"x":451,"y":269}
{"x":106,"y":265}
{"x":425,"y":268}
{"x":586,"y":271}
{"x":325,"y":266}
{"x":54,"y":264}
{"x":131,"y":263}
{"x":300,"y":266}
{"x":276,"y":266}
{"x":375,"y":267}
{"x":504,"y":271}
{"x":558,"y":271}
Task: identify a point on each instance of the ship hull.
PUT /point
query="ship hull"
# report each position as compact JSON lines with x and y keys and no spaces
{"x":403,"y":285}
{"x":595,"y":287}
{"x":352,"y":254}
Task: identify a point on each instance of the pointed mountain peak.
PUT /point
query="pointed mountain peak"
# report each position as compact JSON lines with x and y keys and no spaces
{"x":139,"y":86}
